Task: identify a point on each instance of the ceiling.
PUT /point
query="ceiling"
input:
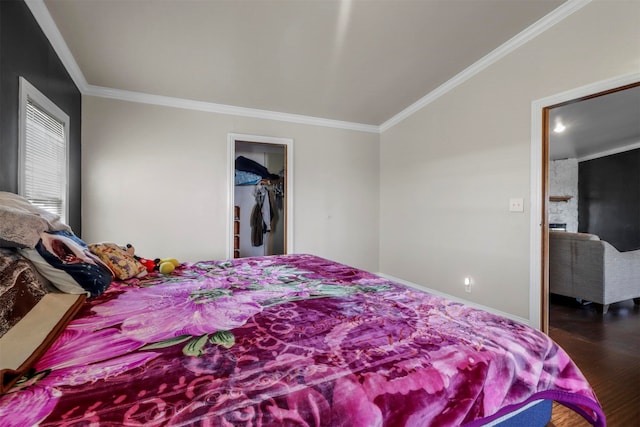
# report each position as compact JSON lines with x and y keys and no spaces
{"x":361,"y":62}
{"x":603,"y":124}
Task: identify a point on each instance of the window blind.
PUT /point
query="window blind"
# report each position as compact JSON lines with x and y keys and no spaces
{"x":45,"y":163}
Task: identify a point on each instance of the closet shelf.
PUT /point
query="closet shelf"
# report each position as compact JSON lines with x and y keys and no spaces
{"x":559,"y":198}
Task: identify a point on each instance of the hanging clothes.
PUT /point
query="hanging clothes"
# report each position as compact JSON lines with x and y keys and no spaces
{"x":257,"y":226}
{"x":261,"y":216}
{"x":266,"y":209}
{"x":273,"y":209}
{"x":245,"y":178}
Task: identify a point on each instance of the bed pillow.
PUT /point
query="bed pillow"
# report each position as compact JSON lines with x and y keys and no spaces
{"x":20,"y":203}
{"x":58,"y":278}
{"x":122,"y":264}
{"x":66,"y":261}
{"x":20,"y":229}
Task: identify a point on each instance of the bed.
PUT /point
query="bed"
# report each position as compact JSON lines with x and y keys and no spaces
{"x":293,"y":340}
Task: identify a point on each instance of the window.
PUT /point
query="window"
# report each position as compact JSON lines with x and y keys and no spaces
{"x":43,"y":151}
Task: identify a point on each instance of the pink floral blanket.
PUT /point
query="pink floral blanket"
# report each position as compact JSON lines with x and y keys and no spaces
{"x":288,"y":340}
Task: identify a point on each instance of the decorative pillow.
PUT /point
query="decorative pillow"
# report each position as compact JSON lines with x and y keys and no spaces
{"x":66,"y":261}
{"x":122,"y":264}
{"x":20,"y":229}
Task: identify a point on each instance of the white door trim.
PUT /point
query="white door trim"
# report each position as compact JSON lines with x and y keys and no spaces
{"x":288,"y":142}
{"x":535,"y":283}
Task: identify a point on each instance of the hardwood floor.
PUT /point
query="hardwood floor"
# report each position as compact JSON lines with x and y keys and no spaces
{"x":606,"y":348}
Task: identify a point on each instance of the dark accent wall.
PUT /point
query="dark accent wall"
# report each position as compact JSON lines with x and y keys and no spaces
{"x":25,"y":51}
{"x":609,"y":199}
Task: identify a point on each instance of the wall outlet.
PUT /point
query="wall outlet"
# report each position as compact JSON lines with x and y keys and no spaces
{"x":467,"y":284}
{"x":516,"y":205}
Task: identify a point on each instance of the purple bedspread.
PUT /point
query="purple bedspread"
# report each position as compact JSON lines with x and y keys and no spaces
{"x":288,"y":340}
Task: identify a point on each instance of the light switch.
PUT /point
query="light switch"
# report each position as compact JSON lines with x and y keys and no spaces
{"x":516,"y":205}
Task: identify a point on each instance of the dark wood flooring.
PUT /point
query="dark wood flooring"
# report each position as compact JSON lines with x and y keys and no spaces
{"x":606,"y":348}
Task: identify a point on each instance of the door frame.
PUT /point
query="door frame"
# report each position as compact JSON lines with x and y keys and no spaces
{"x":539,"y":227}
{"x":288,"y":184}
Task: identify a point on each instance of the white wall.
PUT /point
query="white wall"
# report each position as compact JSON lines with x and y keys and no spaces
{"x":448,"y":171}
{"x":158,"y":177}
{"x":563,"y":181}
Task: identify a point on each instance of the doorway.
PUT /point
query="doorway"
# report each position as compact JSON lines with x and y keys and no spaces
{"x":540,"y":154}
{"x":260,"y":196}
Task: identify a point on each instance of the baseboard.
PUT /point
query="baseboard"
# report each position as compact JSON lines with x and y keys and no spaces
{"x":453,"y":298}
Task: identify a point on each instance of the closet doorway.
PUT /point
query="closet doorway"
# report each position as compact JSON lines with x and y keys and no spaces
{"x":261,"y":214}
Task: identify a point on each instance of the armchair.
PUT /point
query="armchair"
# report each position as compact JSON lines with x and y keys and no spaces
{"x":583,"y":266}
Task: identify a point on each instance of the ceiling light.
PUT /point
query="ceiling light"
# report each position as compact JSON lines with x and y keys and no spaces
{"x":559,"y":127}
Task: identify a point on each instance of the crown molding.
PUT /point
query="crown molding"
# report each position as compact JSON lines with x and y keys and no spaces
{"x":145,"y":98}
{"x":44,"y":19}
{"x":501,"y":51}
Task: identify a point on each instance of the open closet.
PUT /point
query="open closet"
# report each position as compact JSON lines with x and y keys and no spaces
{"x":260,"y":199}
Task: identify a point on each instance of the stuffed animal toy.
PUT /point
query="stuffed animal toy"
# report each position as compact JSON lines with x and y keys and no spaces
{"x":163,"y":265}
